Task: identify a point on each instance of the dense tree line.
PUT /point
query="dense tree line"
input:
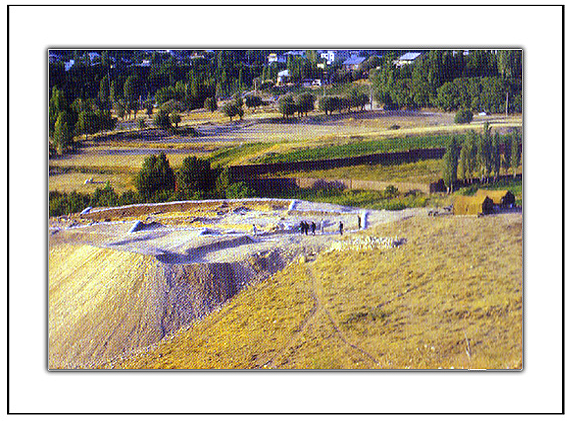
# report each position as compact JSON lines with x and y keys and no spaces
{"x":480,"y":81}
{"x":81,"y":117}
{"x":158,"y":182}
{"x":354,"y":99}
{"x":486,"y":155}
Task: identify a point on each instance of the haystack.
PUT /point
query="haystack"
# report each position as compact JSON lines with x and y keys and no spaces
{"x":502,"y":198}
{"x":472,"y":205}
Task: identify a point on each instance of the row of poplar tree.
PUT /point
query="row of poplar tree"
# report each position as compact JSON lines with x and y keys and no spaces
{"x":483,"y":155}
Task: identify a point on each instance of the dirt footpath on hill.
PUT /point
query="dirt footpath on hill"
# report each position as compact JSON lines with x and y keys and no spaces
{"x":127,"y":277}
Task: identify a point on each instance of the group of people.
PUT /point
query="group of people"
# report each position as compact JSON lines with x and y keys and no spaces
{"x":305,"y":227}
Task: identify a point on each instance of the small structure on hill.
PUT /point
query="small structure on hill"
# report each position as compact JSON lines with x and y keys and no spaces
{"x":501,"y":198}
{"x":472,"y":205}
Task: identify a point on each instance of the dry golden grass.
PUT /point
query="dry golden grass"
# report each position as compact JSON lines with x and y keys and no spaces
{"x":450,"y":297}
{"x":74,"y":181}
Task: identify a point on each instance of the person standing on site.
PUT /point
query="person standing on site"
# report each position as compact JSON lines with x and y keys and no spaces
{"x":313,"y":227}
{"x":254,"y":229}
{"x":322,"y":228}
{"x":359,"y":222}
{"x":341,"y":227}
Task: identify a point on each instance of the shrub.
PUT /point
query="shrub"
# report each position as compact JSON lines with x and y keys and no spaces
{"x":232,"y":109}
{"x":391,"y":191}
{"x":129,"y":197}
{"x":155,"y":176}
{"x":239,"y":191}
{"x":162,"y":119}
{"x":65,"y":203}
{"x":195,"y":175}
{"x":105,"y":196}
{"x":253,"y":101}
{"x":287,"y":106}
{"x":463,"y":117}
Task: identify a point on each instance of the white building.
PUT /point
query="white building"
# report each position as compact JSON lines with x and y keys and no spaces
{"x":407,"y":58}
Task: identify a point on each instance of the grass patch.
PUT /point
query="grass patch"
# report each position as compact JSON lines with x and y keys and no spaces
{"x":361,"y":148}
{"x":237,"y":153}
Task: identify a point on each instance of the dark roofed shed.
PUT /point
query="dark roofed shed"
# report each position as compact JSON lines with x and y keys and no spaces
{"x":502,"y":198}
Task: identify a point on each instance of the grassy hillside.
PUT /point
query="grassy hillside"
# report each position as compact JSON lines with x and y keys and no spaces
{"x":450,"y":297}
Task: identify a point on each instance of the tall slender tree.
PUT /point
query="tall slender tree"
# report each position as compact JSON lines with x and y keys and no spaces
{"x":496,"y":158}
{"x":516,"y":158}
{"x":450,"y":164}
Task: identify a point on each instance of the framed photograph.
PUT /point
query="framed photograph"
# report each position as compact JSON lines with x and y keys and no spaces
{"x":289,"y":209}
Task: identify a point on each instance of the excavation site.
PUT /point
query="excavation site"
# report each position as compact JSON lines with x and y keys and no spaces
{"x":124,"y":279}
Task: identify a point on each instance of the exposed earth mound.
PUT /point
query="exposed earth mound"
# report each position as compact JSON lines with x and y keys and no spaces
{"x":121,"y":279}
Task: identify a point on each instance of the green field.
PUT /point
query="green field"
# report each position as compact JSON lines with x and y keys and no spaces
{"x":361,"y":148}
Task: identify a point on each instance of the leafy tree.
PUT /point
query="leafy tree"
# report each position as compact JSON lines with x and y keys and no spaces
{"x":62,"y":134}
{"x":105,"y":196}
{"x":469,"y":163}
{"x":57,"y":105}
{"x":104,"y":93}
{"x":516,"y":153}
{"x":222,"y":182}
{"x":328,"y":104}
{"x":496,"y":159}
{"x":232,"y":109}
{"x":149,"y":106}
{"x":463,"y":117}
{"x":132,"y":93}
{"x":162,"y":120}
{"x":509,"y":63}
{"x":485,"y":152}
{"x":195,"y":175}
{"x":305,"y":103}
{"x":175,"y":118}
{"x":211,"y":104}
{"x":104,"y":120}
{"x":253,"y":101}
{"x":155,"y":176}
{"x":287,"y":106}
{"x":450,"y":164}
{"x":465,"y":158}
{"x":239,"y":191}
{"x":87,"y":123}
{"x":120,"y":109}
{"x":507,"y":158}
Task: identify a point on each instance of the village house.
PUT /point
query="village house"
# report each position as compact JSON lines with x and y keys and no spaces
{"x":283,"y":77}
{"x":353,"y":63}
{"x":407,"y":58}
